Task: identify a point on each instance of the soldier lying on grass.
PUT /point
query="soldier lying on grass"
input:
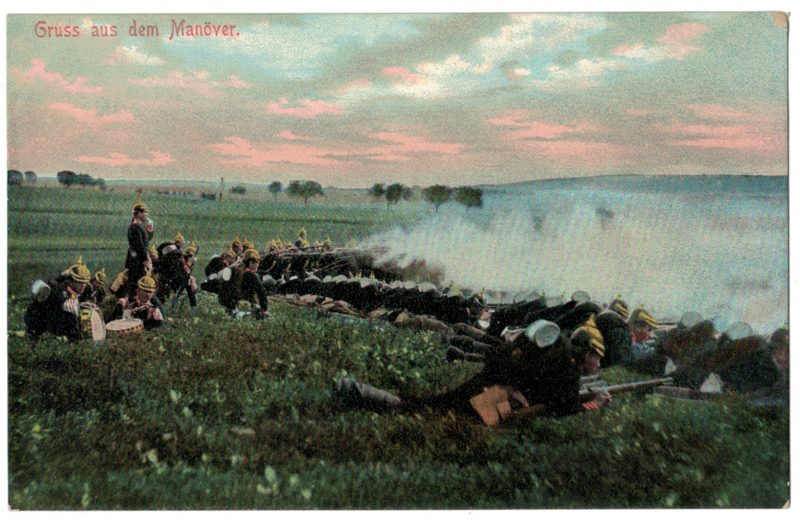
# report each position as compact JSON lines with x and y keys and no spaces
{"x":514,"y":376}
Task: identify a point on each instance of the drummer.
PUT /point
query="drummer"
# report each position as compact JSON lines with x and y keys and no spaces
{"x":55,"y":307}
{"x":141,"y":305}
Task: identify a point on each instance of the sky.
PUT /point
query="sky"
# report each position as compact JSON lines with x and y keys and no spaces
{"x":352,"y":100}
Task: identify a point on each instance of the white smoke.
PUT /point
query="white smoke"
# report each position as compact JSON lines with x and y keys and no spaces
{"x":725,"y":257}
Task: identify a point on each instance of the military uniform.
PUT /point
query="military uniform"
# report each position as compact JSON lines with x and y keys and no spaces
{"x":137,"y":260}
{"x":546,"y":376}
{"x":244,"y":284}
{"x":59,"y":312}
{"x":142,"y":305}
{"x":174,"y":270}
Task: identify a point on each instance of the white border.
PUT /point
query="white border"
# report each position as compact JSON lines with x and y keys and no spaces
{"x":391,"y":6}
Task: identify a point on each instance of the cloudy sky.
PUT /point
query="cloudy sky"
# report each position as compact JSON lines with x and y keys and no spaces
{"x":350,"y":100}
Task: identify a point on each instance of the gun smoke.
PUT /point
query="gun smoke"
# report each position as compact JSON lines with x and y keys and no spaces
{"x":722,"y":254}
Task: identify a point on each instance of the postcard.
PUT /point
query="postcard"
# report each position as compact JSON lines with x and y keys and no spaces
{"x":398,"y":261}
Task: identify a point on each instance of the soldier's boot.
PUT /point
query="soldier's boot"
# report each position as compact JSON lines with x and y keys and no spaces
{"x":456,"y":354}
{"x":352,"y":394}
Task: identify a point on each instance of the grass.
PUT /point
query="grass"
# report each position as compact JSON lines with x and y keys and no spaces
{"x":214,"y":414}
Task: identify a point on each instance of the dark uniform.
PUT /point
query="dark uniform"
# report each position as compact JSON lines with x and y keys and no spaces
{"x":244,"y":284}
{"x":59,"y":313}
{"x":135,"y":261}
{"x":142,"y":305}
{"x":547,"y":376}
{"x":174,"y":270}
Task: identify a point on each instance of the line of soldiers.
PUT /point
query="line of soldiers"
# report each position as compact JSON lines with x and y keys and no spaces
{"x":535,"y":350}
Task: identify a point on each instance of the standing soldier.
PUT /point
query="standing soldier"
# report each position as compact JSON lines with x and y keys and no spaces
{"x":138,"y":260}
{"x":56,"y":306}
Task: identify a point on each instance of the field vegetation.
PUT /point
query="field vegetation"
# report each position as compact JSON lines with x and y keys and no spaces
{"x":209,"y":413}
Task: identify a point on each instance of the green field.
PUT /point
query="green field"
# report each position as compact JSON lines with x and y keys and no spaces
{"x":214,"y":414}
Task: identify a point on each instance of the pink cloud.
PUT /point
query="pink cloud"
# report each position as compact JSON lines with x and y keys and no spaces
{"x":198,"y":82}
{"x":308,"y":108}
{"x":581,"y":153}
{"x":291,"y":136}
{"x":400,"y":147}
{"x":676,"y":44}
{"x":538,"y":129}
{"x":719,"y":112}
{"x":682,"y":33}
{"x":517,"y":118}
{"x":241,"y":152}
{"x":405,"y":144}
{"x":747,"y":138}
{"x":122,"y":159}
{"x":89,"y":116}
{"x":402,"y":74}
{"x":38,"y":70}
{"x":355,"y":85}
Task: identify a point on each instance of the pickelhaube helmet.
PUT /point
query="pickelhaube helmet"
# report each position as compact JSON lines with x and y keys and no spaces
{"x":79,"y":272}
{"x":139,"y":205}
{"x":147,"y":283}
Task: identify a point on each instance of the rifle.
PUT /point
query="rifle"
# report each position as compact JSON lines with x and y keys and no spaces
{"x":591,"y":390}
{"x":588,"y":392}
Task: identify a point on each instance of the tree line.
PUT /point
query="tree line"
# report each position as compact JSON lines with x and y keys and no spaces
{"x":15,"y":177}
{"x":436,"y":195}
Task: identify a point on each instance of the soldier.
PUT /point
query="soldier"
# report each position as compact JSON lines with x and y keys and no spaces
{"x":547,"y":376}
{"x":642,"y":328}
{"x":174,"y":270}
{"x":138,"y":260}
{"x":55,"y":307}
{"x":95,"y":290}
{"x":215,"y":266}
{"x":301,"y":241}
{"x":612,"y":323}
{"x":171,"y":246}
{"x":244,"y":284}
{"x":142,"y":305}
{"x":236,"y":246}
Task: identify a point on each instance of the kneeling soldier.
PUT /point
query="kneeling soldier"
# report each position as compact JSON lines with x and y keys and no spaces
{"x":56,"y":307}
{"x":141,"y":305}
{"x":244,"y":284}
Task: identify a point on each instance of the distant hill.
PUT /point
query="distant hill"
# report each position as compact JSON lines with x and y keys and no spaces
{"x":744,"y":184}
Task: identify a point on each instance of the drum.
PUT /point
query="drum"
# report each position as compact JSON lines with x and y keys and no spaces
{"x":91,"y":321}
{"x":124,"y":328}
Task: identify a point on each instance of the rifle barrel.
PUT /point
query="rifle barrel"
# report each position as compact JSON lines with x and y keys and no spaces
{"x":627,"y":387}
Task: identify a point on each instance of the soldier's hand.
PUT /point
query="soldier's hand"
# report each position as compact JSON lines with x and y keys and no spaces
{"x":603,"y":398}
{"x":71,"y":305}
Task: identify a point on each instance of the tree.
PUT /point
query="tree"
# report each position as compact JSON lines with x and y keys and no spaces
{"x":437,"y":195}
{"x":408,"y":193}
{"x":304,"y":190}
{"x":377,"y":191}
{"x":275,"y":188}
{"x":470,"y":197}
{"x":393,"y":194}
{"x":239,"y":189}
{"x":66,"y":177}
{"x":14,"y":178}
{"x":30,"y":177}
